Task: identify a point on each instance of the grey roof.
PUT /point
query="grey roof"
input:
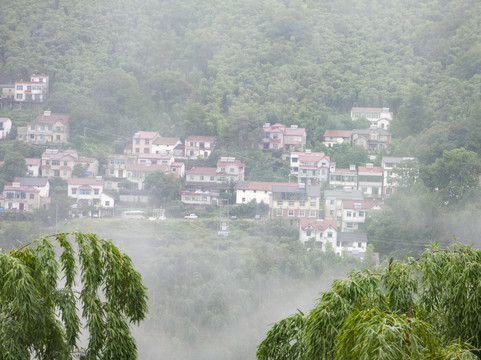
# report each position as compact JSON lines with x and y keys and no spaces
{"x":344,"y":195}
{"x":380,"y":131}
{"x":396,"y":159}
{"x":31,"y":181}
{"x":352,"y":236}
{"x":311,"y":190}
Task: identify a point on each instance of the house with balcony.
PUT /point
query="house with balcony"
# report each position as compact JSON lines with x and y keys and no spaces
{"x":5,"y":127}
{"x":89,"y":197}
{"x":228,"y":170}
{"x":26,"y":194}
{"x":310,"y":167}
{"x":199,"y":146}
{"x":199,"y":198}
{"x":322,"y":231}
{"x":57,"y":163}
{"x":337,"y":137}
{"x":343,"y":178}
{"x":373,"y":139}
{"x":294,"y":202}
{"x":379,"y":117}
{"x":49,"y":128}
{"x":398,"y":172}
{"x":137,"y":173}
{"x":35,"y":90}
{"x":354,"y":213}
{"x":117,"y":165}
{"x":278,"y":136}
{"x":370,"y":181}
{"x":333,"y":202}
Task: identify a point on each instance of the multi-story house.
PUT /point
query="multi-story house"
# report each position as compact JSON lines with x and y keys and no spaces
{"x":294,"y":202}
{"x":310,"y":167}
{"x":370,"y":181}
{"x":393,"y":179}
{"x":258,"y":191}
{"x":58,"y":163}
{"x":333,"y":201}
{"x":117,"y":165}
{"x":335,"y":137}
{"x":7,"y":92}
{"x":322,"y":231}
{"x":49,"y":128}
{"x":342,"y":178}
{"x":373,"y":139}
{"x":199,"y":146}
{"x":165,"y":145}
{"x":142,"y":142}
{"x":354,"y":213}
{"x":279,"y":136}
{"x":228,"y":170}
{"x":26,"y":194}
{"x":5,"y":127}
{"x":89,"y":197}
{"x":34,"y":90}
{"x":380,"y":117}
{"x":33,"y":166}
{"x":155,"y":159}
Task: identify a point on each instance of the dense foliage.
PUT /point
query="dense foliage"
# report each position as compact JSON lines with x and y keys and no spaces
{"x":40,"y":317}
{"x":415,"y":309}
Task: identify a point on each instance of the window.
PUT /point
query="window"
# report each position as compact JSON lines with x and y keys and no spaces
{"x":42,"y":127}
{"x":331,"y":202}
{"x":312,"y":204}
{"x":65,"y":163}
{"x":357,"y":205}
{"x":294,"y":160}
{"x":308,"y":232}
{"x":349,"y":225}
{"x":331,"y":212}
{"x":112,"y":172}
{"x":191,"y":177}
{"x":85,"y":192}
{"x":211,"y":178}
{"x":302,"y":213}
{"x":279,"y":212}
{"x":243,"y":200}
{"x":56,"y":162}
{"x":19,"y":96}
{"x":362,"y":214}
{"x":302,"y":203}
{"x":146,"y":142}
{"x":107,"y":203}
{"x":329,"y":234}
{"x":32,"y":196}
{"x":359,"y":244}
{"x":290,"y":213}
{"x":291,"y":203}
{"x":137,"y":150}
{"x":348,"y":214}
{"x":280,"y":203}
{"x":19,"y":87}
{"x":137,"y":141}
{"x":59,"y":128}
{"x":146,"y":150}
{"x":58,"y":137}
{"x":312,"y":213}
{"x":96,"y":191}
{"x":74,"y":191}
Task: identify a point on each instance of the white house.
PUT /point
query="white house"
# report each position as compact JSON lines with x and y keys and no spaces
{"x":90,"y":199}
{"x":310,"y":167}
{"x":370,"y":180}
{"x":5,"y":127}
{"x":258,"y":191}
{"x":354,"y":213}
{"x":33,"y":166}
{"x":322,"y":231}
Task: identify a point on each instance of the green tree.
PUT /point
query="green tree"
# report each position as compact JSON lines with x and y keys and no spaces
{"x":164,"y":188}
{"x":14,"y":165}
{"x":39,"y":317}
{"x":455,"y":175}
{"x":415,"y":309}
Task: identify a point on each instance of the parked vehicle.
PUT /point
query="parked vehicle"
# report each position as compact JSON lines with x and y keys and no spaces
{"x":191,"y":216}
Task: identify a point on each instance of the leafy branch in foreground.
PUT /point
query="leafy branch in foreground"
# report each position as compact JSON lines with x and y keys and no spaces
{"x":40,"y":293}
{"x":427,"y":308}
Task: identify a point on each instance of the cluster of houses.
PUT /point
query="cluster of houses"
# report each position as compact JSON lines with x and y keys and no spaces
{"x":327,"y":203}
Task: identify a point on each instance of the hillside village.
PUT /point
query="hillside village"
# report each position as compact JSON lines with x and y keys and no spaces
{"x":327,"y":203}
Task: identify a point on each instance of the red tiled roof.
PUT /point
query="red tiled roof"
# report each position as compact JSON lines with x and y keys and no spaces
{"x":21,"y":188}
{"x":257,"y":185}
{"x":365,"y":204}
{"x":202,"y":171}
{"x":33,"y":161}
{"x":296,"y":132}
{"x":166,"y":141}
{"x":200,"y":138}
{"x":320,"y":224}
{"x":85,"y":181}
{"x":338,"y":133}
{"x":374,"y":169}
{"x":146,"y":134}
{"x":366,"y":109}
{"x":146,"y":168}
{"x":2,"y":120}
{"x":53,"y":118}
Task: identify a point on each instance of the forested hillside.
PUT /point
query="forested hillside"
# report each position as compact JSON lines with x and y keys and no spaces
{"x":225,"y":67}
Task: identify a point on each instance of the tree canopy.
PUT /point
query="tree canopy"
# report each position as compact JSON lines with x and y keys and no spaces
{"x":425,"y":308}
{"x":46,"y":301}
